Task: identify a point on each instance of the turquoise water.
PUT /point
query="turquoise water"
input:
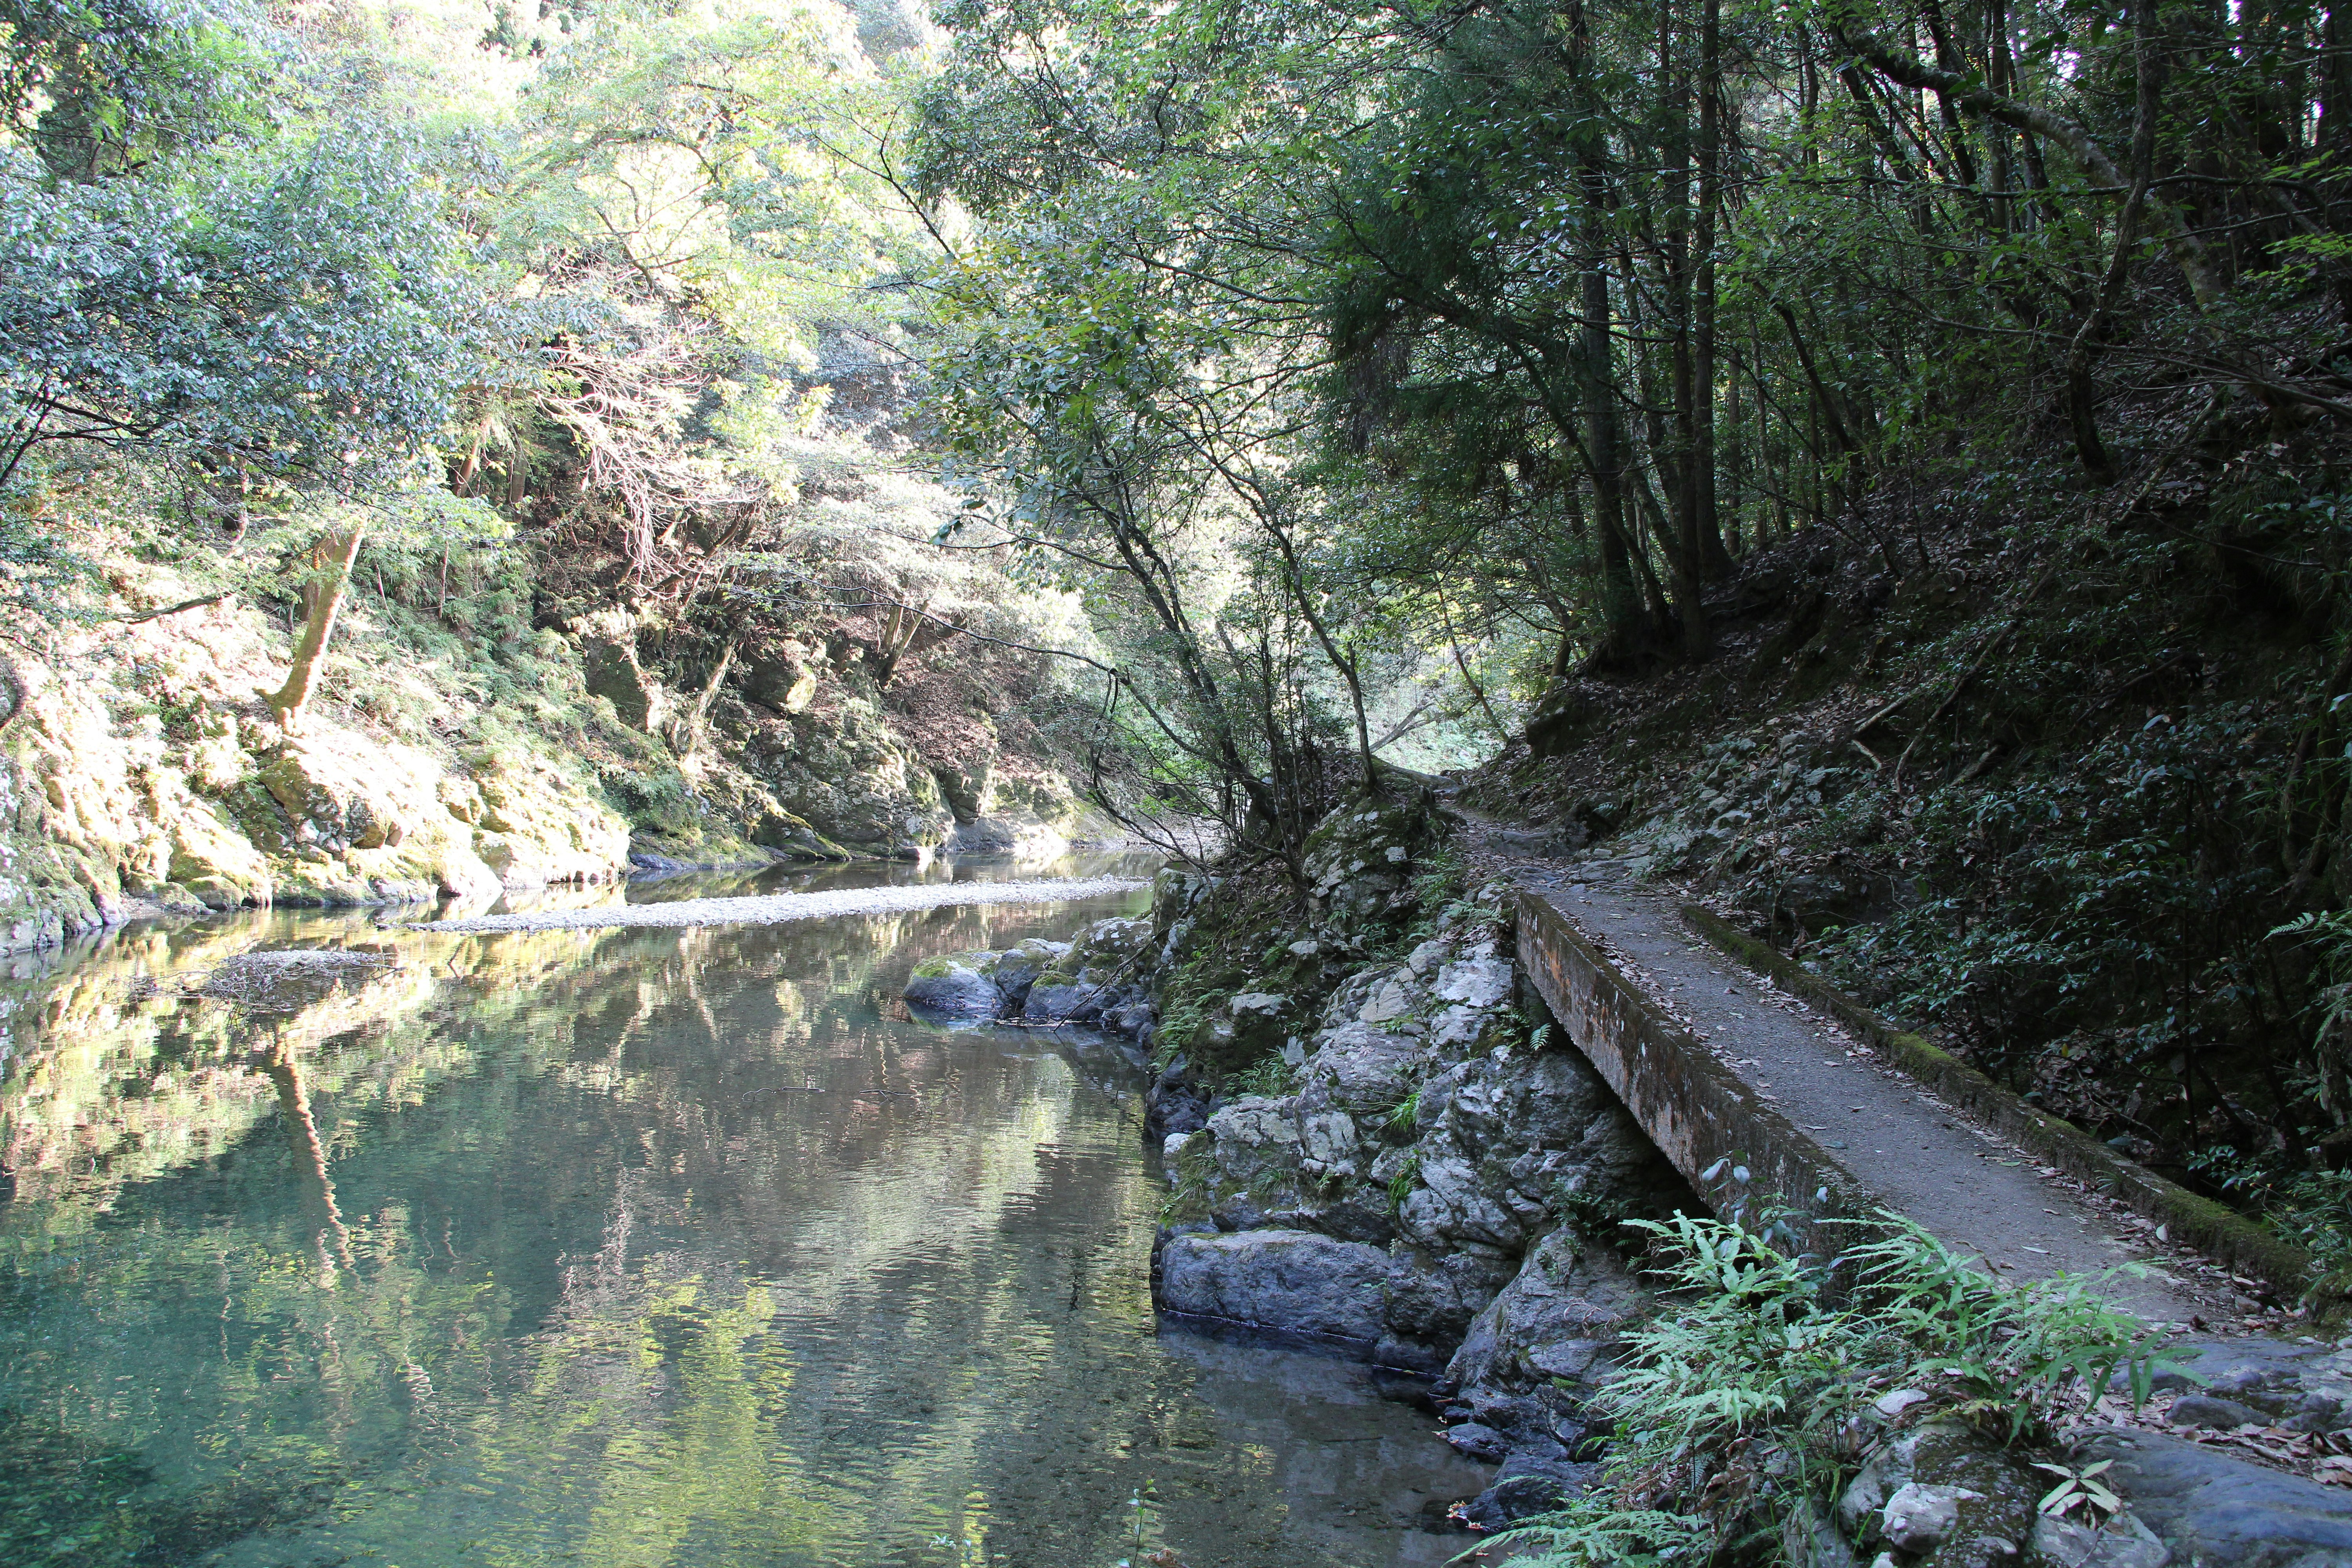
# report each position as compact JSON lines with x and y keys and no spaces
{"x":623,"y":1247}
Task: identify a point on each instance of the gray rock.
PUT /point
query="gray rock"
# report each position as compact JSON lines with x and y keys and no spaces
{"x":1475,"y":1441}
{"x":2317,"y":1413}
{"x":1476,"y":982}
{"x":2122,"y":1542}
{"x":1408,"y":1354}
{"x":2271,"y":1374}
{"x":1360,"y":1070}
{"x":1557,"y":1318}
{"x":953,"y":988}
{"x":2205,"y":1410}
{"x":1910,"y":1481}
{"x":2212,"y":1509}
{"x":1074,"y":1002}
{"x":1132,"y":1018}
{"x":1920,"y":1518}
{"x":1512,"y":1498}
{"x":1896,"y":1401}
{"x":1290,"y":1280}
{"x":1255,"y":1141}
{"x":1435,"y":1300}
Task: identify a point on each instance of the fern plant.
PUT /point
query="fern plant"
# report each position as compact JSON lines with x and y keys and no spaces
{"x":1738,"y":1398}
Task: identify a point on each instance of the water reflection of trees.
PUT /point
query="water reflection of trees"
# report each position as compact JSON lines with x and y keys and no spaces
{"x":606,"y":1222}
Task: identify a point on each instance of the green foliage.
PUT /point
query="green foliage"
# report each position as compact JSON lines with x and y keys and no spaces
{"x":1400,"y":1186}
{"x":297,"y":316}
{"x":1270,"y":1075}
{"x":2111,"y":903}
{"x":2310,"y":1206}
{"x":98,"y":86}
{"x":1757,"y":1361}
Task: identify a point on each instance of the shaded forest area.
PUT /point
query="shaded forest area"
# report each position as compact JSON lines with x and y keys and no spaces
{"x":1884,"y":463}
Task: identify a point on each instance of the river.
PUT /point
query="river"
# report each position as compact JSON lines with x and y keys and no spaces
{"x":625,"y":1246}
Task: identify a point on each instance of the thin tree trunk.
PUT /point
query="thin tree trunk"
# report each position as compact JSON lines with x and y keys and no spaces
{"x":1715,"y":560}
{"x":327,"y":588}
{"x":1469,"y":679}
{"x":2082,"y":396}
{"x":1628,"y":627}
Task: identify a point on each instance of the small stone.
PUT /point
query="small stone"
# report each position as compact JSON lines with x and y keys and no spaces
{"x":1896,"y":1401}
{"x":1389,"y":1002}
{"x":2122,"y":1542}
{"x":1173,"y":1145}
{"x":1920,"y":1518}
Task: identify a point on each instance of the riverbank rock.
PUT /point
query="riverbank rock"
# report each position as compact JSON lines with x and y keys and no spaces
{"x":1557,"y":1320}
{"x":1360,"y":865}
{"x":2208,"y":1508}
{"x":954,"y":987}
{"x":1287,"y":1281}
{"x":1524,"y":1486}
{"x":1940,"y":1494}
{"x":1428,"y":1121}
{"x":838,"y":766}
{"x":1096,"y":978}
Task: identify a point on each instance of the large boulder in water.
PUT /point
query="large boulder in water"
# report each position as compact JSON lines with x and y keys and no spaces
{"x":1291,"y":1281}
{"x":954,"y":987}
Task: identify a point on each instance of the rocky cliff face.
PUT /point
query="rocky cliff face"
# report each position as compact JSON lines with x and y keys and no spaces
{"x":142,"y":771}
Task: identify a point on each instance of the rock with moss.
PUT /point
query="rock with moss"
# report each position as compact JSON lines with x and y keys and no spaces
{"x":1290,"y":1281}
{"x":1361,"y":863}
{"x":1090,"y":979}
{"x":841,"y":769}
{"x":1097,"y":975}
{"x":956,"y":986}
{"x":1943,"y":1493}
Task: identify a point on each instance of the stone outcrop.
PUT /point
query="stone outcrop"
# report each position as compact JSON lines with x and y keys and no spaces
{"x":109,"y":819}
{"x":1427,"y":1122}
{"x":1310,"y":1285}
{"x":2208,"y":1508}
{"x":840,"y":768}
{"x":1096,"y":979}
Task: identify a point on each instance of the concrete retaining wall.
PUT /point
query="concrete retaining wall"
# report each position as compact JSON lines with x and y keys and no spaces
{"x":1707,"y":1123}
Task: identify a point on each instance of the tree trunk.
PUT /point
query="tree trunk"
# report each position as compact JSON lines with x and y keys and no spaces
{"x":333,"y":576}
{"x":1628,"y":628}
{"x":1715,"y":560}
{"x":2082,"y":396}
{"x":1679,"y":468}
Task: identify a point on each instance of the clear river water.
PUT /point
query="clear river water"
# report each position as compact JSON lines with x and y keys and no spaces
{"x":626,"y":1248}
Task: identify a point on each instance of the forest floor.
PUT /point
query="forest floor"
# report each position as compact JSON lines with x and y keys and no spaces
{"x":1968,"y":1186}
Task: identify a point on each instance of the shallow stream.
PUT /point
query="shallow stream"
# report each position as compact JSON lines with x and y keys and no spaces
{"x":627,"y":1247}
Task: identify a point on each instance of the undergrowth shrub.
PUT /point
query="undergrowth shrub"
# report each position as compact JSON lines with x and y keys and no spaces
{"x":1742,"y":1396}
{"x":2100,"y":925}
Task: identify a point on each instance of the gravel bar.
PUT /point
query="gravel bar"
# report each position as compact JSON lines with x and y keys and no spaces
{"x":774,"y":909}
